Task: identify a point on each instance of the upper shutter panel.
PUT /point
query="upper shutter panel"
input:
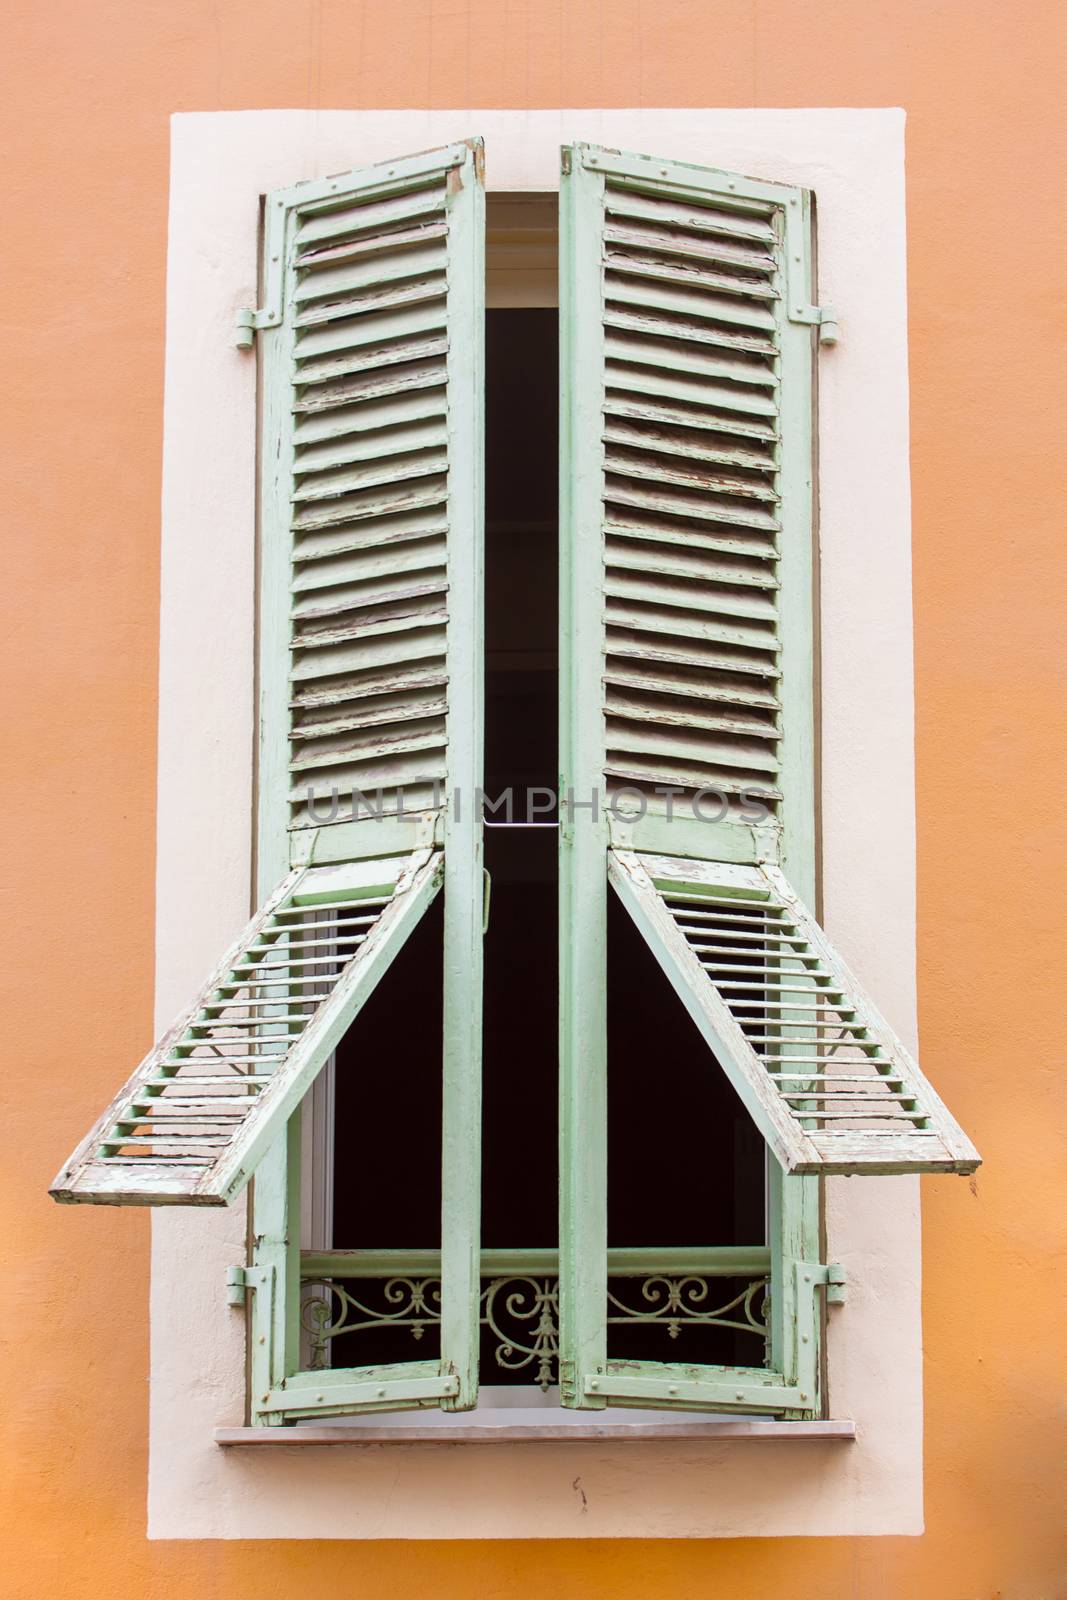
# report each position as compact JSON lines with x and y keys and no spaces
{"x":367,"y":466}
{"x":690,"y":434}
{"x":694,"y":284}
{"x":829,"y":1085}
{"x":194,"y":1119}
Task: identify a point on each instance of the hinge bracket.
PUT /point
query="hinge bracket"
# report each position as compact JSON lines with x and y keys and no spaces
{"x":247,"y":322}
{"x":822,"y":317}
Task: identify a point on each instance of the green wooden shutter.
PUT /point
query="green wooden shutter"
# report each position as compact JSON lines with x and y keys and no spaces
{"x":371,"y":636}
{"x":825,"y":1079}
{"x":192,"y":1122}
{"x":371,"y":334}
{"x":687,"y":710}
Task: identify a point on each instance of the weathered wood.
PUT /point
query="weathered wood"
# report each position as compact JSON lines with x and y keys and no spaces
{"x":916,"y":1134}
{"x":107,"y":1161}
{"x":583,"y":833}
{"x":674,"y":334}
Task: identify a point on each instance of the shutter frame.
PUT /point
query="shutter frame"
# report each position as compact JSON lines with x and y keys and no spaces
{"x":457,"y":828}
{"x":585,"y":839}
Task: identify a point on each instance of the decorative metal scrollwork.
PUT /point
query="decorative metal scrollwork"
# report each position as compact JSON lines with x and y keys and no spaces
{"x":328,"y":1308}
{"x":526,"y":1302}
{"x":522,"y":1313}
{"x":674,"y":1302}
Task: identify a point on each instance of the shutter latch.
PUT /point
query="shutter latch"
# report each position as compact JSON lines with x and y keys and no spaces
{"x":247,"y":322}
{"x":822,"y":317}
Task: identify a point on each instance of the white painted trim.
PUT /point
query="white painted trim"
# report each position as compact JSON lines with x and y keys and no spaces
{"x":221,"y":163}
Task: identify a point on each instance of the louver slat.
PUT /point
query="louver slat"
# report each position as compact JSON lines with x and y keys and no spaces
{"x":691,"y":304}
{"x":193,"y":1120}
{"x":367,"y":292}
{"x":828,"y":1083}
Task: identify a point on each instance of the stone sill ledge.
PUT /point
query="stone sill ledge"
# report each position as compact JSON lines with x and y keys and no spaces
{"x":535,"y":1432}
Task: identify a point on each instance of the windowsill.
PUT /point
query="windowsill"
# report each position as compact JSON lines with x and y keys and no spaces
{"x":452,"y":1430}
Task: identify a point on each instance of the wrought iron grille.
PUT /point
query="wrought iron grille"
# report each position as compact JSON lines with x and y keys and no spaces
{"x":669,"y":1292}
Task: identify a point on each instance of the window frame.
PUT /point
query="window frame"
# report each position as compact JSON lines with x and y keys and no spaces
{"x":788,"y":1381}
{"x":221,"y":163}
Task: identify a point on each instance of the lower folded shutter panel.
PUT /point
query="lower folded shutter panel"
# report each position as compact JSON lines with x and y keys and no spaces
{"x":826,"y":1080}
{"x":191,"y":1123}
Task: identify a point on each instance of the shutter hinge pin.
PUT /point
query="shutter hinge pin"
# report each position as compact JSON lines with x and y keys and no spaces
{"x":828,"y":329}
{"x":836,"y":1280}
{"x":247,"y":322}
{"x":238,"y":1281}
{"x":822,"y":317}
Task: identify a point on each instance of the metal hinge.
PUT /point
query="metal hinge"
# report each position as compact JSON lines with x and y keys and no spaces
{"x":238,"y":1280}
{"x":832,"y":1278}
{"x":836,"y":1280}
{"x":822,"y":317}
{"x":247,"y":322}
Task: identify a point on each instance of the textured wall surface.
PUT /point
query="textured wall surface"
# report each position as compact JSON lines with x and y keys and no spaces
{"x":87,"y":96}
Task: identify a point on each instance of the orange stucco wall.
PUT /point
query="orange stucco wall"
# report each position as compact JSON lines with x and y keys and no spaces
{"x":87,"y":94}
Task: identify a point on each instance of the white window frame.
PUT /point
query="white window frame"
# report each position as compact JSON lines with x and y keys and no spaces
{"x":732,"y":1484}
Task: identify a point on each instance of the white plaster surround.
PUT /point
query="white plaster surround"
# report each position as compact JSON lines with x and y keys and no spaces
{"x":221,"y":163}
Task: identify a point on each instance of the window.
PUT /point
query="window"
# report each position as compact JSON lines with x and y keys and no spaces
{"x":686,"y":666}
